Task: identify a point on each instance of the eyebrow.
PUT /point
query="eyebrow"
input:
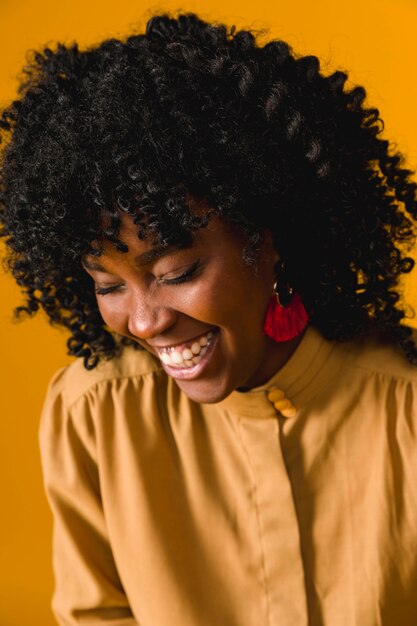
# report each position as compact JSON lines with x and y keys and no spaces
{"x":146,"y":258}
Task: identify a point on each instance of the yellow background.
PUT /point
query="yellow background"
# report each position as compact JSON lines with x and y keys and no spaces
{"x":375,"y":40}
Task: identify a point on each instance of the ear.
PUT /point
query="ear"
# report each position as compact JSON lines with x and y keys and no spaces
{"x":269,"y":247}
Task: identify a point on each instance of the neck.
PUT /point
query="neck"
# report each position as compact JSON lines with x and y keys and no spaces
{"x":276,"y":355}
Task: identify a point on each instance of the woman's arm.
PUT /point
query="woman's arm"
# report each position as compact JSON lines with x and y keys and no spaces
{"x":88,"y":589}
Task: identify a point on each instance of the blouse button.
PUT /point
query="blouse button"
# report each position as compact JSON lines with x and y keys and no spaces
{"x":281,"y":403}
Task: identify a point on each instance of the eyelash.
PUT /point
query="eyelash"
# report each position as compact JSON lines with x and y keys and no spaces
{"x":182,"y":278}
{"x":102,"y":291}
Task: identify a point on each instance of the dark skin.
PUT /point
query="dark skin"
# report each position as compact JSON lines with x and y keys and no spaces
{"x":185,"y":293}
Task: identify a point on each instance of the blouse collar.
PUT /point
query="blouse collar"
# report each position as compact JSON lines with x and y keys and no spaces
{"x":298,"y":378}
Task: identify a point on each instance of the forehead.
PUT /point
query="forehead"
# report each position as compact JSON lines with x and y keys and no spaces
{"x":217,"y":237}
{"x":144,"y":251}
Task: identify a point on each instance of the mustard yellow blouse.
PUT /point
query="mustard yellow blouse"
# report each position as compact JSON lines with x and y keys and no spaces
{"x":171,"y":513}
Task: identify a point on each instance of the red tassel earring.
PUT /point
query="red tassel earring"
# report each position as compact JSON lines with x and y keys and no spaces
{"x":283,"y":323}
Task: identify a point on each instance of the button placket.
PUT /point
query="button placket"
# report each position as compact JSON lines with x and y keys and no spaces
{"x":282,"y":403}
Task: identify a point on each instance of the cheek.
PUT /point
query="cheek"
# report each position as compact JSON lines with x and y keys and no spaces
{"x":113,"y":316}
{"x":235,"y":301}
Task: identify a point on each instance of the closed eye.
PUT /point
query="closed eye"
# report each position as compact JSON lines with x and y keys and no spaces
{"x":102,"y":291}
{"x":187,"y":274}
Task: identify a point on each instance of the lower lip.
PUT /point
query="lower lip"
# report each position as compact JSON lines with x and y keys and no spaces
{"x":189,"y":373}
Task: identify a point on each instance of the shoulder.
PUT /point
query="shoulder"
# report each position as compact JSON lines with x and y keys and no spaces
{"x":79,"y":401}
{"x":375,"y":354}
{"x":74,"y":381}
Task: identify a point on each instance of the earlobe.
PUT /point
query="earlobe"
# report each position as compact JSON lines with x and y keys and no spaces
{"x":269,"y":244}
{"x":286,"y":317}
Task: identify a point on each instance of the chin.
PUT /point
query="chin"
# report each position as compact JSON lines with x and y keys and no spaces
{"x":205,"y":393}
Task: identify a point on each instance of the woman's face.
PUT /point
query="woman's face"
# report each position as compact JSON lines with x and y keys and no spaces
{"x":200,"y":310}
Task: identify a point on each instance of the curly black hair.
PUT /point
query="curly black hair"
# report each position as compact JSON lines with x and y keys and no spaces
{"x":191,"y":108}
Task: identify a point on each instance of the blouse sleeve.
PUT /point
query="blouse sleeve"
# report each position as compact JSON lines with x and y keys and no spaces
{"x":88,"y":589}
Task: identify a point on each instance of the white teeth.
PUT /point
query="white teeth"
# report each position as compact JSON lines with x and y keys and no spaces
{"x":176,"y":357}
{"x":189,"y":356}
{"x":195,"y":348}
{"x":166,"y":358}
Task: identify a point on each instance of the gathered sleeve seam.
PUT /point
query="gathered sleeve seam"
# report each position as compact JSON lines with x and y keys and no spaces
{"x":106,"y":381}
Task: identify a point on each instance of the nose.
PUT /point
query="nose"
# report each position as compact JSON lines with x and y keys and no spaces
{"x":148,"y":319}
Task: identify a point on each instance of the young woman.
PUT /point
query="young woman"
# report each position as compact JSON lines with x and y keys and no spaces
{"x":223,"y":231}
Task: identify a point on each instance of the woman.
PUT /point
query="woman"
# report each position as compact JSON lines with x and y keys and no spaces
{"x":235,"y":213}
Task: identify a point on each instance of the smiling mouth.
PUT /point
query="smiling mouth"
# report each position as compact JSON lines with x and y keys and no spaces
{"x":186,"y":355}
